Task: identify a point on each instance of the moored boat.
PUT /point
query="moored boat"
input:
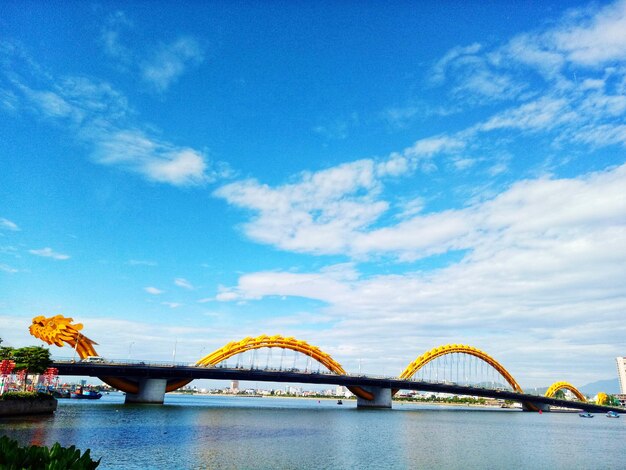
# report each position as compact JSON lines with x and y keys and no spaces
{"x":86,"y":394}
{"x":585,"y":414}
{"x":612,"y":414}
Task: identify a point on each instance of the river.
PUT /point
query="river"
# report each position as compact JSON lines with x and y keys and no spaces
{"x":272,"y":433}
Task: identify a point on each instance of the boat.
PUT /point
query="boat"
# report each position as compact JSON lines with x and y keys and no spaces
{"x":339,"y":402}
{"x":612,"y":414}
{"x":585,"y":414}
{"x":61,"y":393}
{"x":86,"y":394}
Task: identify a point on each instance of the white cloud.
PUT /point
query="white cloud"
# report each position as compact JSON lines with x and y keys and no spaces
{"x":51,"y":104}
{"x":258,"y":285}
{"x":431,"y":146}
{"x":8,"y":269}
{"x":153,"y":290}
{"x":542,"y":114}
{"x":535,"y":236}
{"x":594,"y":38}
{"x":440,"y":69}
{"x":161,"y":66}
{"x":334,"y":211}
{"x":171,"y":304}
{"x":338,"y":128}
{"x":563,"y":81}
{"x":170,"y":62}
{"x":316,"y":212}
{"x":49,"y":253}
{"x":116,"y":23}
{"x":399,"y":117}
{"x":184,"y":283}
{"x":8,"y":225}
{"x":182,"y":166}
{"x":101,"y":117}
{"x":158,"y":161}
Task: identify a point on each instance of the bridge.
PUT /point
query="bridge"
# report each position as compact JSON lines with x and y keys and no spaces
{"x":148,"y":383}
{"x":145,"y":373}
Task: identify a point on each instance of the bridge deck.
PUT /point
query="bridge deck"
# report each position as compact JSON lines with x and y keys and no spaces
{"x":162,"y":371}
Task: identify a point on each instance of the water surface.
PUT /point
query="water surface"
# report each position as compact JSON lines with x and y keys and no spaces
{"x":272,"y":433}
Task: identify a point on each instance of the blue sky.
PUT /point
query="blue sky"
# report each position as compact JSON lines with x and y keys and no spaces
{"x":376,"y":181}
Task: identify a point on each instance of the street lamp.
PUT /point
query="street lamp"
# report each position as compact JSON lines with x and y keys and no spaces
{"x":130,"y":347}
{"x":76,"y":347}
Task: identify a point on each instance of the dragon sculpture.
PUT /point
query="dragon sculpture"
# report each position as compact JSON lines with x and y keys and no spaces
{"x":58,"y":330}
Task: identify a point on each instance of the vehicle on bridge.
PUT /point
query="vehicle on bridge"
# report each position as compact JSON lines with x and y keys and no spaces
{"x":94,"y":359}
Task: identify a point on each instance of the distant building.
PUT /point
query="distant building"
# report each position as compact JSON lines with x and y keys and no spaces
{"x":621,"y":374}
{"x":234,"y":387}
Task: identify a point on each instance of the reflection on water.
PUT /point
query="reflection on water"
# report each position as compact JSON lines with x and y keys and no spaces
{"x":255,"y":433}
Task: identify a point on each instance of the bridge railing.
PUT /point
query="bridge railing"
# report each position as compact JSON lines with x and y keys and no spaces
{"x":225,"y":365}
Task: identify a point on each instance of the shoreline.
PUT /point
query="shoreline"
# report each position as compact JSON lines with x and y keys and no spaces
{"x":349,"y":399}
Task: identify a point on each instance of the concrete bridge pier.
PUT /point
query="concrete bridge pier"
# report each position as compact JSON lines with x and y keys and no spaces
{"x":534,"y":406}
{"x":382,"y":398}
{"x":150,"y":391}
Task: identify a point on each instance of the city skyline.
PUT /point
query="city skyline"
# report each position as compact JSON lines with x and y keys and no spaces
{"x":376,"y":183}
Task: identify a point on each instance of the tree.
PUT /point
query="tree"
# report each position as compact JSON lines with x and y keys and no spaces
{"x":32,"y":359}
{"x":6,"y":353}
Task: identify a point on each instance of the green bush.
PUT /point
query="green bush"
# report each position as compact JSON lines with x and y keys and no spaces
{"x":25,"y":396}
{"x":14,"y":457}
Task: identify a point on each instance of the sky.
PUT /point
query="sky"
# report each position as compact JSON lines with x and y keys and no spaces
{"x":376,"y":180}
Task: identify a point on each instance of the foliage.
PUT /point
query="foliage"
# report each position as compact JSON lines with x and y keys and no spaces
{"x":611,"y":400}
{"x":27,"y":396}
{"x":6,"y":353}
{"x":34,"y":359}
{"x":14,"y":457}
{"x":456,"y":400}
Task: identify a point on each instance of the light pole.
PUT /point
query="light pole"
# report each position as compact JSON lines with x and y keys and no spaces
{"x":76,"y":346}
{"x":130,"y":347}
{"x":174,"y":353}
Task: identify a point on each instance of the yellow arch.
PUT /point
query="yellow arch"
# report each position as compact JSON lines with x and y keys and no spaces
{"x":439,"y":351}
{"x":556,"y":386}
{"x":277,"y":341}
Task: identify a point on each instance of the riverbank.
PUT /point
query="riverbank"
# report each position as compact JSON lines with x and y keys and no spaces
{"x":27,"y":404}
